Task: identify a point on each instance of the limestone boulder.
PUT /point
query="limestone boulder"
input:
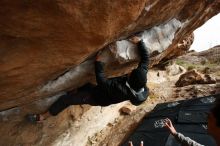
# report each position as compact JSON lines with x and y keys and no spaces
{"x":175,"y":69}
{"x":47,"y":47}
{"x":194,"y":77}
{"x":127,"y":109}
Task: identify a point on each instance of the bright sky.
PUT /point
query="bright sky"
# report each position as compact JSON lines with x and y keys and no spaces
{"x":208,"y":35}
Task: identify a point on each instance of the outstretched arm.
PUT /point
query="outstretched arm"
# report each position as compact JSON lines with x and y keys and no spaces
{"x":178,"y":136}
{"x":99,"y":70}
{"x":143,"y":52}
{"x":144,"y":55}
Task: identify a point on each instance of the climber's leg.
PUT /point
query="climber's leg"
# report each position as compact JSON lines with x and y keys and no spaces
{"x":63,"y":102}
{"x":83,"y":96}
{"x":55,"y":108}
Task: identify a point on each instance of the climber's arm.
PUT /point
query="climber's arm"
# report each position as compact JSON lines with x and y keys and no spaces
{"x":99,"y":72}
{"x":178,"y":136}
{"x":143,"y":52}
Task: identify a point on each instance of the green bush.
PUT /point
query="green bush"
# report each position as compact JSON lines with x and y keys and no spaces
{"x":190,"y":67}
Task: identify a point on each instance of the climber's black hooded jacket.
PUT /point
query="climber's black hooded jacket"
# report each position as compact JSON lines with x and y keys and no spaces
{"x":115,"y":90}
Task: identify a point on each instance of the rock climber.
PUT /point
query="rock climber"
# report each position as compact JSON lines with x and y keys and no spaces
{"x":108,"y":90}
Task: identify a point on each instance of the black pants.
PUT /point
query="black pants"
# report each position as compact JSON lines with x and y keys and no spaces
{"x":84,"y":95}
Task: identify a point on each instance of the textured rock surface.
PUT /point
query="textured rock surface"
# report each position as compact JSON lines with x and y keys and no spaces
{"x":48,"y":47}
{"x":211,"y":55}
{"x":194,"y":77}
{"x":206,"y":62}
{"x":95,"y":126}
{"x":42,"y":40}
{"x":175,"y":69}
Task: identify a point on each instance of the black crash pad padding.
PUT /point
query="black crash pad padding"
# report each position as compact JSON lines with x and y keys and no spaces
{"x":188,"y":116}
{"x":192,"y":117}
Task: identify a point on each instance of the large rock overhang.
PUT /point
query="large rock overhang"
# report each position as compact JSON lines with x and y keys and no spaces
{"x":41,"y":42}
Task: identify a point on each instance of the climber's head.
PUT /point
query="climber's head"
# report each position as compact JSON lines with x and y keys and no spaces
{"x":137,"y":79}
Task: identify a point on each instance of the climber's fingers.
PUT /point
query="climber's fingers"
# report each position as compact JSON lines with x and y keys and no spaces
{"x":130,"y":143}
{"x":142,"y":143}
